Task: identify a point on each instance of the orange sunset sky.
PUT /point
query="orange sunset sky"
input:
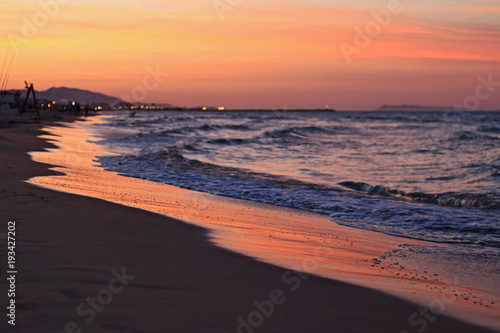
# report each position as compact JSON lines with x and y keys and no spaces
{"x":257,"y":54}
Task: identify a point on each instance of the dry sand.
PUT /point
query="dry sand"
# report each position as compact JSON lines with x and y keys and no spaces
{"x":68,"y":245}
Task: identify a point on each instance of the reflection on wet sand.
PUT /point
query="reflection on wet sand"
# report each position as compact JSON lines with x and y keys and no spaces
{"x":288,"y":238}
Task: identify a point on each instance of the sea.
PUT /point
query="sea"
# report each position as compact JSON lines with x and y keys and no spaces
{"x":432,"y":176}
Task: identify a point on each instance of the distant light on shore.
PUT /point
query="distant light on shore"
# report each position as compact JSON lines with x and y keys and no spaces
{"x":221,"y":108}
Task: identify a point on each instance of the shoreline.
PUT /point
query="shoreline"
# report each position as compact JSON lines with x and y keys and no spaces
{"x":223,"y":284}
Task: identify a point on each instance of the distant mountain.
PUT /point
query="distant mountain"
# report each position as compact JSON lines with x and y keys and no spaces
{"x":64,"y":95}
{"x":411,"y":107}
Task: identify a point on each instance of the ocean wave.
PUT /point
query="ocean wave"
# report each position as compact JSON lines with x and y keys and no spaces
{"x":227,"y":141}
{"x":307,"y":131}
{"x":458,"y":200}
{"x":470,"y":136}
{"x":284,"y":134}
{"x":203,"y":128}
{"x":298,"y":159}
{"x":489,"y":129}
{"x":365,"y":210}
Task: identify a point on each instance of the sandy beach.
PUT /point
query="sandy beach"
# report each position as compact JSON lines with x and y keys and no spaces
{"x":93,"y":265}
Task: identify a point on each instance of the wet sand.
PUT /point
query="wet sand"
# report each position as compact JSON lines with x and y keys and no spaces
{"x":68,"y":246}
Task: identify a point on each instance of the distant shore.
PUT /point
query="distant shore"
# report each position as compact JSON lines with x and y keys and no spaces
{"x":173,"y":279}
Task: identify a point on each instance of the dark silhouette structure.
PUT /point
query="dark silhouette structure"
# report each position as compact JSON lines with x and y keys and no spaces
{"x":35,"y":104}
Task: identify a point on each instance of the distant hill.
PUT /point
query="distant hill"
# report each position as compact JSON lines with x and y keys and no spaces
{"x":63,"y":94}
{"x":411,"y":107}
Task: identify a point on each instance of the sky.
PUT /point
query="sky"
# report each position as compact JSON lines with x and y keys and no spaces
{"x":354,"y":55}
